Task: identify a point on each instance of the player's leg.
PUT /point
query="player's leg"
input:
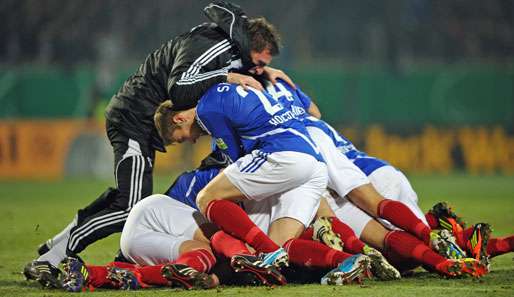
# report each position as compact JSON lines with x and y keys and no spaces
{"x":133,"y":173}
{"x":257,"y":177}
{"x":348,"y":180}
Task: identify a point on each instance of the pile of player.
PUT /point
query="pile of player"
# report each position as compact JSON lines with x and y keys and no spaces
{"x":282,"y":192}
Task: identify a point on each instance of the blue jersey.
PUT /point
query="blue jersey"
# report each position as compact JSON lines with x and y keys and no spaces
{"x":299,"y":103}
{"x":188,"y":184}
{"x":241,"y":121}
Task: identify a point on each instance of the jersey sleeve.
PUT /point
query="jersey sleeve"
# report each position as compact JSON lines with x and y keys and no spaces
{"x":213,"y":118}
{"x":304,"y":98}
{"x":198,"y":65}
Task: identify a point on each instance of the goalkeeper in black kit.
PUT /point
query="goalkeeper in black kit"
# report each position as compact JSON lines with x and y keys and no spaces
{"x":230,"y":48}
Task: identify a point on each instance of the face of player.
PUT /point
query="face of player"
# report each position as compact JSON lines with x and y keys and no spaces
{"x":188,"y":130}
{"x":260,"y":60}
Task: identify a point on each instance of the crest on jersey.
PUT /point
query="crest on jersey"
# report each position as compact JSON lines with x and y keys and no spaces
{"x":221,"y":144}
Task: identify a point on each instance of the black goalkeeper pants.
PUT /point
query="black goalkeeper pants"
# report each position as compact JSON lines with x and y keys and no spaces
{"x":133,"y":168}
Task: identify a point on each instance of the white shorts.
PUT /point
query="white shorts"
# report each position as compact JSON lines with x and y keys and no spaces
{"x":390,"y":183}
{"x":283,"y":184}
{"x":155,"y":229}
{"x":343,"y":175}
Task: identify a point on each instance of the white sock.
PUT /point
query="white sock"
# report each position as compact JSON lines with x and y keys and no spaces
{"x":63,"y":235}
{"x":56,"y":254}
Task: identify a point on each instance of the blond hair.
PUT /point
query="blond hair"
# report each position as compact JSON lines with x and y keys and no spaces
{"x":163,"y":121}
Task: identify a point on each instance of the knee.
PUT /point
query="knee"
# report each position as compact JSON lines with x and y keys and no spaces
{"x":202,"y":200}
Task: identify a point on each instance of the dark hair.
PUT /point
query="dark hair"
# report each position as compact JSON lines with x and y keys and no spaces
{"x":264,"y":35}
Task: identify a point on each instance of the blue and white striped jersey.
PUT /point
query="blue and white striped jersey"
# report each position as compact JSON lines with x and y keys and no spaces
{"x":241,"y":121}
{"x":299,"y":102}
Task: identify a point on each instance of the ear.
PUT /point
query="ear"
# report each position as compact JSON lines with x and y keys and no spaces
{"x":179,"y":118}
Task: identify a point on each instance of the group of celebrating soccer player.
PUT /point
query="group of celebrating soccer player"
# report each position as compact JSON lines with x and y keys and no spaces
{"x":282,"y":196}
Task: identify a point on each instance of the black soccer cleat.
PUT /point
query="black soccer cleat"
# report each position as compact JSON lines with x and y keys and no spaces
{"x":268,"y":274}
{"x":187,"y":277}
{"x":44,"y":273}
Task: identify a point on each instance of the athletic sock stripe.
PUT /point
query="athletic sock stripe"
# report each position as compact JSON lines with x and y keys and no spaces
{"x":213,"y":48}
{"x":92,"y":224}
{"x":121,"y":219}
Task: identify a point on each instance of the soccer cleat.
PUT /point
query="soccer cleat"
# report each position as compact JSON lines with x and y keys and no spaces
{"x":44,"y":273}
{"x":75,"y":275}
{"x":278,"y":258}
{"x":447,"y":218}
{"x":460,"y":267}
{"x":380,"y":267}
{"x":187,"y":277}
{"x":353,"y":269}
{"x":266,"y":273}
{"x":443,"y":242}
{"x":323,"y":233}
{"x":476,"y":245}
{"x":125,"y":279}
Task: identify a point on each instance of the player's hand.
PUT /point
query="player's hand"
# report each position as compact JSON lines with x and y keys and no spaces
{"x":273,"y":74}
{"x":244,"y":80}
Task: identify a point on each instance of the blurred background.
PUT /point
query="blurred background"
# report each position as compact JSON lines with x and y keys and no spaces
{"x":427,"y":85}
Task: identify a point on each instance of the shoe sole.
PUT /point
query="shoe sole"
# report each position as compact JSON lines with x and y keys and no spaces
{"x":329,"y":237}
{"x":267,"y":275}
{"x":47,"y":280}
{"x":484,"y":233}
{"x":200,"y":281}
{"x":355,"y":276}
{"x":123,"y":278}
{"x":383,"y":270}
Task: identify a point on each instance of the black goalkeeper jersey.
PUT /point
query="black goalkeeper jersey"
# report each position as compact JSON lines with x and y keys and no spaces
{"x":181,"y":70}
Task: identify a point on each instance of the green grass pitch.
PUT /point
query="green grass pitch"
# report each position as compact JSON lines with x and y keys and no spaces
{"x":31,"y":212}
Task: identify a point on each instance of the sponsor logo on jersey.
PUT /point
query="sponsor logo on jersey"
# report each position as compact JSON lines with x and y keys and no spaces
{"x":221,"y":144}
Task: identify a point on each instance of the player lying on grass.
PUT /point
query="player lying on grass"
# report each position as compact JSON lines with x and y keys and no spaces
{"x":164,"y":241}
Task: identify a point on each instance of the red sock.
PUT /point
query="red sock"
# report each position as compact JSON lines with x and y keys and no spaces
{"x":227,"y":245}
{"x":432,"y":220}
{"x":313,"y":254}
{"x":98,"y":276}
{"x":352,"y":243}
{"x":409,"y":246}
{"x":152,"y":275}
{"x":401,"y":216}
{"x":233,"y":220}
{"x":400,"y":262}
{"x":307,"y":234}
{"x":500,"y":246}
{"x":201,"y":260}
